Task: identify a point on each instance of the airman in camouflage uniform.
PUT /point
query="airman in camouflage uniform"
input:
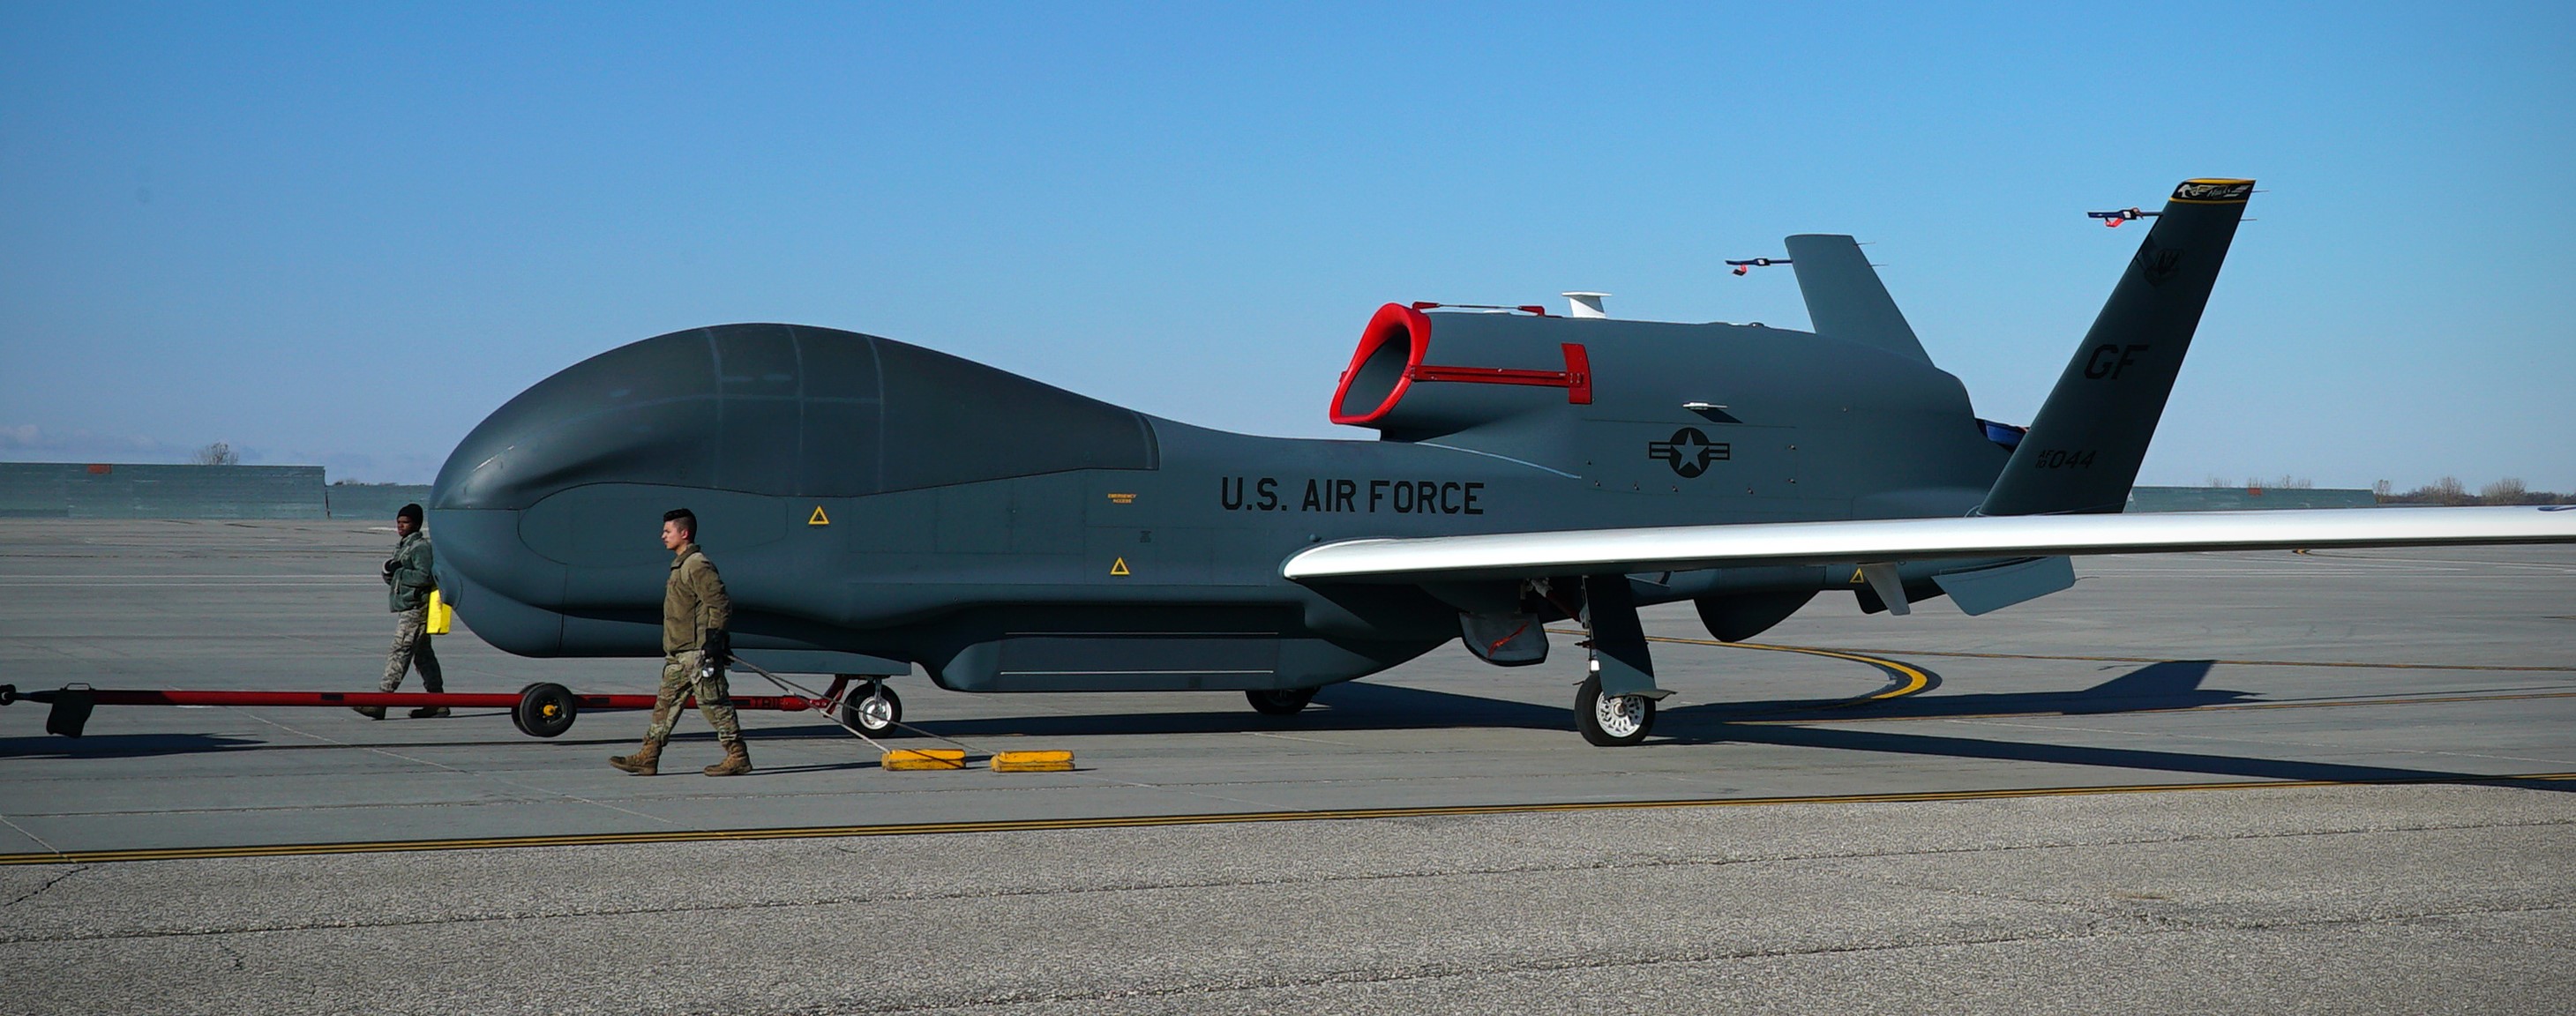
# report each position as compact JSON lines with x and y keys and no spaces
{"x":409,"y":578}
{"x":695,"y":647}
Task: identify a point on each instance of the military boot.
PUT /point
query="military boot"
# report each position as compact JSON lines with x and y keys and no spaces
{"x":428,"y":712}
{"x":736,"y":762}
{"x":646,"y":761}
{"x":370,"y":712}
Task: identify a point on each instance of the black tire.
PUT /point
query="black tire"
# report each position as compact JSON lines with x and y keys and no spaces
{"x":545,"y":710}
{"x":877,"y":714}
{"x":1633,"y":716}
{"x":1280,"y":701}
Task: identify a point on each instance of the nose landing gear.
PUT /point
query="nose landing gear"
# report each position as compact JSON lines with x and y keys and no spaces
{"x":872,"y":707}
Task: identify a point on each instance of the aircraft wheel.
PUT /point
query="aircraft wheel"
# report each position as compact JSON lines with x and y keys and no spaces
{"x":1613,"y":721}
{"x":876,"y":712}
{"x":545,"y":709}
{"x":1280,"y":701}
{"x":516,"y":719}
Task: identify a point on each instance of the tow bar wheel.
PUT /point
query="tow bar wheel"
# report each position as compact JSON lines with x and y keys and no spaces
{"x":875,"y":709}
{"x":1611,"y":721}
{"x":545,"y":709}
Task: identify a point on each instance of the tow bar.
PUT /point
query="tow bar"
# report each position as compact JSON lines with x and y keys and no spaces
{"x":858,"y":703}
{"x":543,"y":709}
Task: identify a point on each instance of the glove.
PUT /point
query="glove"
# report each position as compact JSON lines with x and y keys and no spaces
{"x":718,"y":646}
{"x":391,"y":564}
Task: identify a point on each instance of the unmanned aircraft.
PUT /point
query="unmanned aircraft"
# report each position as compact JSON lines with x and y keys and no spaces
{"x":2113,"y":219}
{"x":876,"y":505}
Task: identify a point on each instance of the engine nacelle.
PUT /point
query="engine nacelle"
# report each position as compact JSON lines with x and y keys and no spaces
{"x":1409,"y":385}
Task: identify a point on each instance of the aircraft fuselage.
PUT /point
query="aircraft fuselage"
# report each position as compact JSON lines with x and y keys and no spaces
{"x":1150,"y":561}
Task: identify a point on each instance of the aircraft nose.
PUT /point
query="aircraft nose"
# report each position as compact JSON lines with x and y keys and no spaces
{"x":641,"y":413}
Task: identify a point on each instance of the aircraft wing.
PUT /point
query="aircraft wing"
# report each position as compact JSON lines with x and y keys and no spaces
{"x":1686,"y":548}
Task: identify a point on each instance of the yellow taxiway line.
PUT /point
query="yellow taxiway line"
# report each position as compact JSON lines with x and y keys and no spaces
{"x":2334,"y":664}
{"x":1209,"y":818}
{"x":1909,"y":679}
{"x":2409,"y":700}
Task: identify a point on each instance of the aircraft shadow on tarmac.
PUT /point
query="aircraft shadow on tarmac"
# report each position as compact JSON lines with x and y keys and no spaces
{"x":1362,"y":706}
{"x":2156,"y":687}
{"x":1358,"y":706}
{"x":2169,"y":685}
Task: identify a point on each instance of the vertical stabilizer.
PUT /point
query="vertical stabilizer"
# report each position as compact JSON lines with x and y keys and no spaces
{"x":1845,"y":300}
{"x":2083,"y":451}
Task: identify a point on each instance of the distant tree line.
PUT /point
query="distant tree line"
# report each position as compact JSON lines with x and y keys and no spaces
{"x":2285,"y":482}
{"x":216,"y":454}
{"x":2449,"y":491}
{"x":2445,"y":491}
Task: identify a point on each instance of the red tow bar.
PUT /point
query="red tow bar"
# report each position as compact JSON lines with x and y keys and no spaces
{"x":540,"y":710}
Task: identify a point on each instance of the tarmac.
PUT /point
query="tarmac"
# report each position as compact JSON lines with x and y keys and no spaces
{"x":2226,"y":782}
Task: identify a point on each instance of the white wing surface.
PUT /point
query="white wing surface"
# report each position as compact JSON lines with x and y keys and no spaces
{"x":1685,"y":548}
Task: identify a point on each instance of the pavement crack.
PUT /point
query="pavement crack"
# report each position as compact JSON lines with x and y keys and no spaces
{"x":49,"y":883}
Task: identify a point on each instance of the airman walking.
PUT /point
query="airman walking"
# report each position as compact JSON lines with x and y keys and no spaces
{"x":410,"y":576}
{"x":695,"y":647}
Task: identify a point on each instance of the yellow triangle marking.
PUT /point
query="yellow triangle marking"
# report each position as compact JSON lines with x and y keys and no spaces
{"x":1118,"y":567}
{"x":818,"y":519}
{"x":1857,"y":578}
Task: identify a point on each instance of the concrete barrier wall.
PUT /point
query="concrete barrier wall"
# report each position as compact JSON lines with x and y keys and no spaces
{"x":377,"y":501}
{"x":2233,"y":499}
{"x":72,"y":490}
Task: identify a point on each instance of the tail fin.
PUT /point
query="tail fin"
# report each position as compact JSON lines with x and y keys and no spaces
{"x":1845,"y":300}
{"x":2082,"y":453}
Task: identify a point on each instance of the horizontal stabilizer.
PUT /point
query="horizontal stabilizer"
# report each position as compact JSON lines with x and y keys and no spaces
{"x":1685,"y":548}
{"x":1845,"y":299}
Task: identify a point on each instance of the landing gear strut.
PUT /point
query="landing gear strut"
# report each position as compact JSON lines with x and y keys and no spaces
{"x":1616,"y":705}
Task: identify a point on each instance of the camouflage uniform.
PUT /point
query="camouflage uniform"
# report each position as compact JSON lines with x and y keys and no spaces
{"x":693,"y":603}
{"x":410,"y":580}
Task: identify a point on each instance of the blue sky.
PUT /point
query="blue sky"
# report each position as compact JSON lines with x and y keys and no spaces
{"x":344,"y":233}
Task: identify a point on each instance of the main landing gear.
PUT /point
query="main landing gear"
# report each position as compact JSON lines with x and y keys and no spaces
{"x":1280,"y":701}
{"x":1611,"y":721}
{"x":1615,"y":705}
